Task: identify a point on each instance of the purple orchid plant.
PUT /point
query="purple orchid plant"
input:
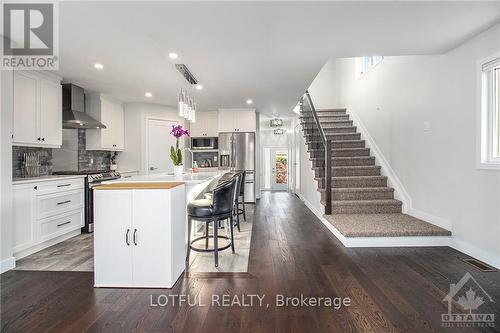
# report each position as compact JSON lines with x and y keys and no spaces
{"x":175,"y":153}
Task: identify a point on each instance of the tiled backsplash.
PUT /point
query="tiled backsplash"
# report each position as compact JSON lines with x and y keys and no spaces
{"x":71,"y":156}
{"x":45,"y":155}
{"x":91,"y":159}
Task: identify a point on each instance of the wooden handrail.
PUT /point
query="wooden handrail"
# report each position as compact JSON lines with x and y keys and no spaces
{"x":328,"y":157}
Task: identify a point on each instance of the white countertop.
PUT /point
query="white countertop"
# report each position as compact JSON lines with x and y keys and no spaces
{"x":188,"y":178}
{"x":25,"y":180}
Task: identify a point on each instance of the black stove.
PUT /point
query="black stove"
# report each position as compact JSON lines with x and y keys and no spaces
{"x":94,"y":177}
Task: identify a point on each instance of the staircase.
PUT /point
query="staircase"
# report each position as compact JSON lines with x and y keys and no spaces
{"x":362,"y":204}
{"x":357,"y":184}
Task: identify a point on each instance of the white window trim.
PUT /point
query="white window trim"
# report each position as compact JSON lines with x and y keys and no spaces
{"x":357,"y":65}
{"x":485,"y":127}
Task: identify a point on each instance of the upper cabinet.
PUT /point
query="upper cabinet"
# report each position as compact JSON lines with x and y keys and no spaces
{"x":109,"y":112}
{"x":237,"y":120}
{"x":205,"y":125}
{"x":37,"y":116}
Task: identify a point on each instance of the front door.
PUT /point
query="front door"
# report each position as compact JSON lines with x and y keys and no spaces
{"x":279,"y":169}
{"x":159,"y":142}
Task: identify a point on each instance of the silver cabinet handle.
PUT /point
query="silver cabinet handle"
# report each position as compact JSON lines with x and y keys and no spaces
{"x":126,"y":237}
{"x":64,"y":202}
{"x":60,"y":225}
{"x":135,"y":237}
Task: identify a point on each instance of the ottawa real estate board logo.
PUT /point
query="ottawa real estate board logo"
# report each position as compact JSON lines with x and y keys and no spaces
{"x":470,"y":296}
{"x":30,"y":38}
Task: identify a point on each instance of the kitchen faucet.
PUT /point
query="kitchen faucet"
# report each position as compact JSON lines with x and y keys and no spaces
{"x":192,"y":156}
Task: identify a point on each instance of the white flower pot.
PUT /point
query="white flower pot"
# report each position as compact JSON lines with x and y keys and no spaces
{"x":178,"y":170}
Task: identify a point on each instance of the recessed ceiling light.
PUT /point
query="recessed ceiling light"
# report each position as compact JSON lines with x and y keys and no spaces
{"x":173,"y":55}
{"x":199,"y":86}
{"x":98,"y":66}
{"x":148,"y":94}
{"x":249,"y":101}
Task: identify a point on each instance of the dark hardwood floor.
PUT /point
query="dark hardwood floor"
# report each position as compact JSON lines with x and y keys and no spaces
{"x":292,"y":253}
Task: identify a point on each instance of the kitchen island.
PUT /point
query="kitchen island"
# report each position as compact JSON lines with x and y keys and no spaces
{"x":140,"y":228}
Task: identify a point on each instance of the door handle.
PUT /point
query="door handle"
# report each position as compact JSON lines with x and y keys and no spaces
{"x":126,"y":237}
{"x":135,"y":237}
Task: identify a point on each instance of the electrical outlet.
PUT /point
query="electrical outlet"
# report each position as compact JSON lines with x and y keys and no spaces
{"x":427,"y":126}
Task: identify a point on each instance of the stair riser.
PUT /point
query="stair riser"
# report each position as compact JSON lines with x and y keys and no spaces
{"x":360,"y":182}
{"x":325,"y":113}
{"x":329,"y":118}
{"x":347,"y":162}
{"x":341,"y":153}
{"x":312,"y":124}
{"x":338,"y":145}
{"x":361,"y":195}
{"x":348,"y":172}
{"x":356,"y":172}
{"x":375,"y":209}
{"x":329,"y":131}
{"x":334,"y":138}
{"x":353,"y":162}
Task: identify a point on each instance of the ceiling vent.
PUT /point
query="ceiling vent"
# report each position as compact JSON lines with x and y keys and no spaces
{"x":184,"y":70}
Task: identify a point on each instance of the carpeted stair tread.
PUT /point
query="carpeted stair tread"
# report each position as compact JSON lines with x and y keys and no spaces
{"x":360,"y":189}
{"x":385,"y":202}
{"x":383,"y":225}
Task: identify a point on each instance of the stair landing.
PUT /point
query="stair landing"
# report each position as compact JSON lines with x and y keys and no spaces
{"x":383,"y":225}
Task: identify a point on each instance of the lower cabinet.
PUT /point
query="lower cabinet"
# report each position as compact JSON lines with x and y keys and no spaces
{"x":44,"y":212}
{"x":139,"y":237}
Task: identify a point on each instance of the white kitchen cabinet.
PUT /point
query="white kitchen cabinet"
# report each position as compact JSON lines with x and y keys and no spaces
{"x":139,"y":237}
{"x":45,"y":213}
{"x":50,"y":112}
{"x":237,"y":120}
{"x":112,"y":238}
{"x":109,"y":112}
{"x":37,"y":116}
{"x":24,"y":216}
{"x":206,"y":125}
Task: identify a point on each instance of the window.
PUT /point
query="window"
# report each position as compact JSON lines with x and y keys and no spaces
{"x":490,"y":114}
{"x":364,"y":64}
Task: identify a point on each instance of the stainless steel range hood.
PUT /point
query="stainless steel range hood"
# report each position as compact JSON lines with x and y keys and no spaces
{"x":73,"y":105}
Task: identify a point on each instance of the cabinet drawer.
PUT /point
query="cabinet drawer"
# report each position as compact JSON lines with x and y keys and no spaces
{"x":53,"y":227}
{"x":57,"y":203}
{"x":59,"y":185}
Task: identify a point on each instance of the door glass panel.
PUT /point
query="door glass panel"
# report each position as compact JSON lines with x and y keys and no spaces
{"x":281,"y":162}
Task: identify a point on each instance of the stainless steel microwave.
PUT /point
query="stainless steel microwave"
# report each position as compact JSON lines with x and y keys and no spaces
{"x":204,"y":143}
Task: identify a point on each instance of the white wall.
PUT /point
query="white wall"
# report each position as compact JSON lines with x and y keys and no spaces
{"x":325,"y":89}
{"x":6,"y":234}
{"x":134,"y":158}
{"x":437,"y":167}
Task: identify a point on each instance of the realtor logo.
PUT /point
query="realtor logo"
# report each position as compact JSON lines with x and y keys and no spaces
{"x":469,"y":294}
{"x":30,"y":39}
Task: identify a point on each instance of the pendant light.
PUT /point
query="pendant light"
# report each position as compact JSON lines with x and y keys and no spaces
{"x":180,"y":103}
{"x":186,"y":106}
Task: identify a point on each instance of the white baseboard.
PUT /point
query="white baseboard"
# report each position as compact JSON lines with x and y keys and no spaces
{"x":476,"y":252}
{"x":7,"y":264}
{"x":436,"y":220}
{"x":400,"y":192}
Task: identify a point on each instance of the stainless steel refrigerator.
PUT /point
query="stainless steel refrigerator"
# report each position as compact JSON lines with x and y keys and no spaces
{"x":237,"y":152}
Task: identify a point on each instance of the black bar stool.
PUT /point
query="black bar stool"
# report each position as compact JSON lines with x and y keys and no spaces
{"x":239,"y":176}
{"x":212,"y":211}
{"x":241,"y":195}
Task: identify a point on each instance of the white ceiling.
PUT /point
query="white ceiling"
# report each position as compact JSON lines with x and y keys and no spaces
{"x":269,"y":52}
